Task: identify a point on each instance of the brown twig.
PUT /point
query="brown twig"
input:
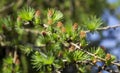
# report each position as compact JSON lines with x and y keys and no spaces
{"x":78,"y":47}
{"x":98,"y":29}
{"x":108,"y":27}
{"x":91,"y":54}
{"x":105,"y":28}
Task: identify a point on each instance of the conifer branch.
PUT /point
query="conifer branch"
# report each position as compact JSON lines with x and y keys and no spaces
{"x":98,"y":29}
{"x":91,"y":54}
{"x":108,"y":27}
{"x":78,"y":47}
{"x":105,"y":28}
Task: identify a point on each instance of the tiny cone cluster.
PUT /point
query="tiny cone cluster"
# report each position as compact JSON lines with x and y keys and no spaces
{"x":59,"y":24}
{"x":75,"y":26}
{"x":82,"y":34}
{"x":37,"y":14}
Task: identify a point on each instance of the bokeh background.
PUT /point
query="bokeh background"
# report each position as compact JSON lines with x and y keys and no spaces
{"x":76,"y":11}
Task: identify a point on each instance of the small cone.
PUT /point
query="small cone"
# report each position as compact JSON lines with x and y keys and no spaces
{"x":108,"y":56}
{"x":50,"y":12}
{"x":37,"y":14}
{"x":82,"y":34}
{"x":50,"y":22}
{"x":63,"y":29}
{"x":72,"y":48}
{"x":59,"y":24}
{"x":75,"y":26}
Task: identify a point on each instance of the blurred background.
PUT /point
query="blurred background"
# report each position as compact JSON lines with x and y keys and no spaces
{"x":77,"y":11}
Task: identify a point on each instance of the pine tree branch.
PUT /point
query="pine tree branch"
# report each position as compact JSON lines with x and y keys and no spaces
{"x":108,"y":27}
{"x":105,"y":28}
{"x":78,"y":47}
{"x":91,"y":54}
{"x":98,"y":29}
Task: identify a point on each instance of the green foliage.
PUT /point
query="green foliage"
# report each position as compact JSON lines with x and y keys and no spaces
{"x":8,"y":66}
{"x":37,"y":17}
{"x":40,"y":60}
{"x":26,"y":14}
{"x":55,"y":45}
{"x":26,"y":49}
{"x":57,"y":16}
{"x":92,"y":23}
{"x":54,"y":15}
{"x":99,"y":51}
{"x":31,"y":34}
{"x":6,"y":23}
{"x":76,"y":56}
{"x":109,"y":59}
